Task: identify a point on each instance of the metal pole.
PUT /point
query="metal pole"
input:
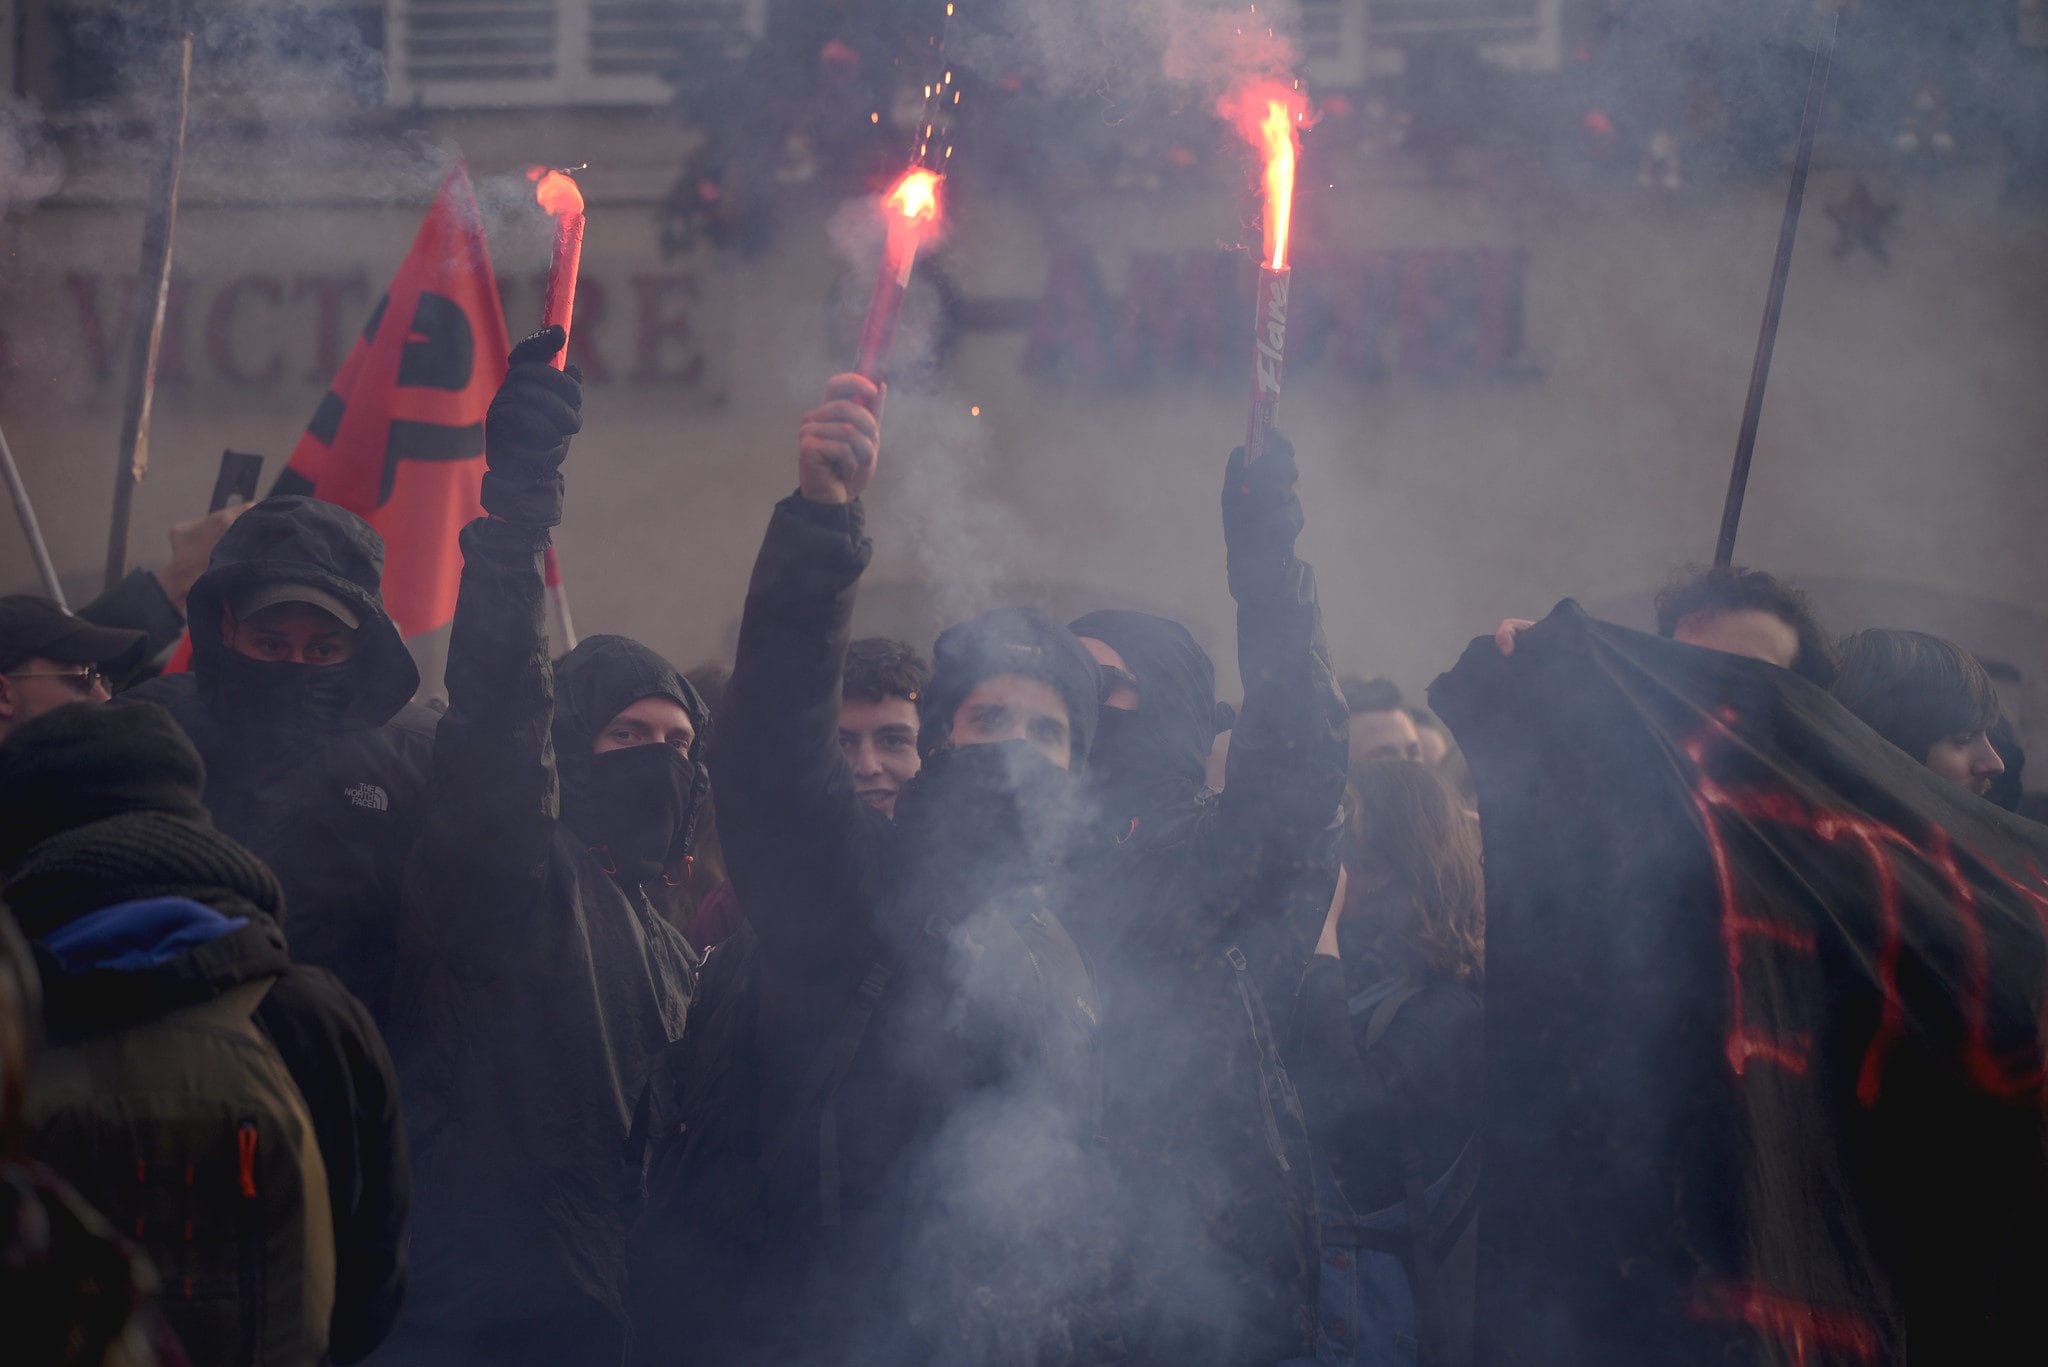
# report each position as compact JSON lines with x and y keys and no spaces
{"x":1774,"y":301}
{"x":30,"y":528}
{"x":158,"y":229}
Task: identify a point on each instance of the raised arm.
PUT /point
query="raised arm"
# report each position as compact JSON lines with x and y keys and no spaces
{"x":1275,"y":829}
{"x":799,"y":843}
{"x":492,"y":799}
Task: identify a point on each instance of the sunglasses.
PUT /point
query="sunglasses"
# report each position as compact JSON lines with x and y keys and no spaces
{"x":1113,"y":679}
{"x":85,"y":680}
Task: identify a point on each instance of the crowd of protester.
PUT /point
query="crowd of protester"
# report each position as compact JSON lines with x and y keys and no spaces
{"x":1020,"y":1004}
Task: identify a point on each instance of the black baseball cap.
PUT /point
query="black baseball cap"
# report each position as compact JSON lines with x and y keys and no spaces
{"x":33,"y":627}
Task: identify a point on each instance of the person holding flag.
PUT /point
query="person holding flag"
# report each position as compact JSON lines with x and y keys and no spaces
{"x":317,"y":605}
{"x":299,"y":699}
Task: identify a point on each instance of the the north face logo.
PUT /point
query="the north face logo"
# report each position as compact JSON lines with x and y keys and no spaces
{"x":369,"y":796}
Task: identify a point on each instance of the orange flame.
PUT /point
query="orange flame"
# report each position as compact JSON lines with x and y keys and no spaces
{"x":1270,"y":116}
{"x":916,"y":196}
{"x":555,"y":191}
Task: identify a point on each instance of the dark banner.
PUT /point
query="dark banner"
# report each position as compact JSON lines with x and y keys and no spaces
{"x":1764,"y":1018}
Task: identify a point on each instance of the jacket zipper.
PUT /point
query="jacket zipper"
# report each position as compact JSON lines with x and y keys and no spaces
{"x":1241,"y":971}
{"x":252,"y":1243}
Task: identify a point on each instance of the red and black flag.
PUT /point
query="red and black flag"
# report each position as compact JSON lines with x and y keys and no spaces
{"x":399,"y":437}
{"x":1764,"y":1020}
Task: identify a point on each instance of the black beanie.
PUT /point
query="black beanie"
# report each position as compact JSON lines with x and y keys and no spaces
{"x":100,"y":803}
{"x":1009,"y":641}
{"x":84,"y":762}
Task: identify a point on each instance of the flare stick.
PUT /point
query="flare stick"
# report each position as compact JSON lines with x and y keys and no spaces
{"x":1268,"y":115}
{"x":909,"y":210}
{"x":557,"y":193}
{"x":1269,"y":347}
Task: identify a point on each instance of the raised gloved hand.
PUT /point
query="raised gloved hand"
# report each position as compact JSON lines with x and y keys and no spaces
{"x":526,"y":433}
{"x":1261,"y":519}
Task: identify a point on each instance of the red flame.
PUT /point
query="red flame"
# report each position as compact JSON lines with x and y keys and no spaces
{"x":555,"y":191}
{"x":1270,"y":115}
{"x":915,"y":196}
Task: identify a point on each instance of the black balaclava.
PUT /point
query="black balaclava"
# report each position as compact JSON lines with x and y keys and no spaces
{"x":636,"y":808}
{"x":981,"y":820}
{"x":1165,"y":744}
{"x":291,"y":539}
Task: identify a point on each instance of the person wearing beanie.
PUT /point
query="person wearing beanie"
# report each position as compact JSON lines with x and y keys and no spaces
{"x":1206,"y":909}
{"x":901,"y":1167}
{"x":300,"y":701}
{"x":537,"y":980}
{"x":151,"y":929}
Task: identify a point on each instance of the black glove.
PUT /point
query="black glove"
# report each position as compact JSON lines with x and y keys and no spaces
{"x":526,"y":433}
{"x":1261,"y":519}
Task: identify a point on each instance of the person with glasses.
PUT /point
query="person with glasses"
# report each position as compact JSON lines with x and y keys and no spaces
{"x":49,"y":658}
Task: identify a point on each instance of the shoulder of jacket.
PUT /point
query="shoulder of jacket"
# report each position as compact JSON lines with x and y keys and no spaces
{"x":310,"y":993}
{"x":415,"y":720}
{"x":172,"y":692}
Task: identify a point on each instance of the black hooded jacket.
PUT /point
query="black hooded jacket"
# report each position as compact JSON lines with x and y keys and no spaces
{"x":535,"y":986}
{"x":332,"y":1052}
{"x":318,"y":769}
{"x":1208,"y":906}
{"x":935,"y":1204}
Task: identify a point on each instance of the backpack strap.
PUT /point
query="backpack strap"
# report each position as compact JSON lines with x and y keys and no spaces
{"x":1383,"y":1014}
{"x":235,"y":1008}
{"x":821,"y":1083}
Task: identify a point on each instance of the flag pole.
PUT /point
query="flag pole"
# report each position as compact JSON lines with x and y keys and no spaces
{"x":30,"y":528}
{"x":159,"y":226}
{"x":1774,"y":299}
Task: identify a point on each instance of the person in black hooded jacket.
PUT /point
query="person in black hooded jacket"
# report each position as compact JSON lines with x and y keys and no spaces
{"x":136,"y":906}
{"x":1206,"y":906}
{"x":315,"y":755}
{"x":904,"y":1173}
{"x":537,"y":981}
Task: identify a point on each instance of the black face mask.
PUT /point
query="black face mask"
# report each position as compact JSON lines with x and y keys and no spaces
{"x":1134,"y":750}
{"x":636,"y":808}
{"x":981,"y":817}
{"x":276,"y":695}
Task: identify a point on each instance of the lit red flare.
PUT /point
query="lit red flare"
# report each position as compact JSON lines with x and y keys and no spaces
{"x":558,"y":193}
{"x":1270,"y":115}
{"x":911,"y":211}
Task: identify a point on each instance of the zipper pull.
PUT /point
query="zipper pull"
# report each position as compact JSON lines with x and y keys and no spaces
{"x":245,"y":1152}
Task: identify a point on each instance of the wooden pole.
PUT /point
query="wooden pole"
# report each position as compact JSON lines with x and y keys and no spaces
{"x":1774,"y":299}
{"x":159,"y":227}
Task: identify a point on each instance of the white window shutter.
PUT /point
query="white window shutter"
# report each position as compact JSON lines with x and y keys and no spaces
{"x":552,"y":53}
{"x":1344,"y":43}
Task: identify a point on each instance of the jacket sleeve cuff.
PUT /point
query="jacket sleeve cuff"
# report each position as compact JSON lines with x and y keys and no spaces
{"x":846,"y":519}
{"x":813,"y":554}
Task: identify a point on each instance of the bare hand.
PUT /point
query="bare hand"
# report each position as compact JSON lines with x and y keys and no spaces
{"x":192,"y":546}
{"x":1328,"y":943}
{"x":840,"y":440}
{"x":1504,"y":634}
